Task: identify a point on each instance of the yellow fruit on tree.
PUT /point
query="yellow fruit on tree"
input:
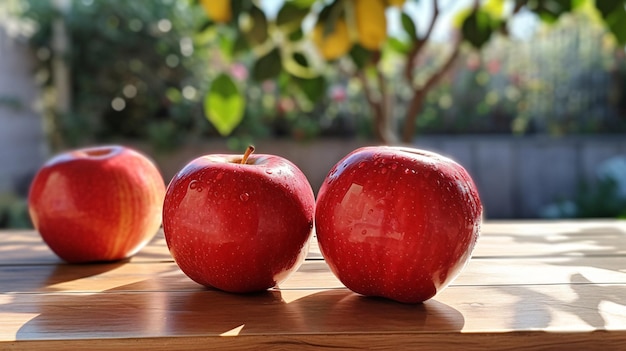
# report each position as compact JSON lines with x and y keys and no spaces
{"x":371,"y":23}
{"x":334,"y":44}
{"x":217,"y":10}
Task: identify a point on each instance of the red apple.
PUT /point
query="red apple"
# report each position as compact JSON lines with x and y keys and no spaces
{"x":238,"y":223}
{"x":97,"y":204}
{"x":396,"y":222}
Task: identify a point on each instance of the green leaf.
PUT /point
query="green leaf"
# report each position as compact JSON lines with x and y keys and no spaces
{"x":303,"y":3}
{"x":550,"y":10}
{"x":314,"y":88}
{"x":301,"y":59}
{"x":290,"y":16}
{"x":240,"y":6}
{"x":226,"y":45}
{"x":616,"y":23}
{"x":268,"y":66}
{"x":224,"y":104}
{"x":495,"y":8}
{"x":330,"y":15}
{"x":576,"y":4}
{"x":606,"y":7}
{"x":477,"y":28}
{"x":256,"y":31}
{"x":399,"y":46}
{"x":205,"y":25}
{"x":240,"y":45}
{"x":297,"y":64}
{"x":296,"y":35}
{"x":409,"y":26}
{"x":614,"y":15}
{"x":360,"y":56}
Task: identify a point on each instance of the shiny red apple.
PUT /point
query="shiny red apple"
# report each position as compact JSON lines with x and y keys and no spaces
{"x":397,"y":222}
{"x":97,"y":204}
{"x":238,"y":223}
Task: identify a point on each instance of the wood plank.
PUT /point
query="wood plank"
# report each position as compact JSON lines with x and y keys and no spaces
{"x":531,"y":341}
{"x":313,"y":274}
{"x":498,"y":239}
{"x":540,"y":285}
{"x":552,"y":238}
{"x":27,"y":247}
{"x":573,"y":313}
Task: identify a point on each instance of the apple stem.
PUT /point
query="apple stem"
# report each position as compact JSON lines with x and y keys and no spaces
{"x":247,"y":154}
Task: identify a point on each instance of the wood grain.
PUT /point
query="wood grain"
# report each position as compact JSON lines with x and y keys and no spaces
{"x":334,"y":312}
{"x":498,"y":239}
{"x":166,"y":276}
{"x":541,"y":285}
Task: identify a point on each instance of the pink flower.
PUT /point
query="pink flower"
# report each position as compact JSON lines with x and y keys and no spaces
{"x":338,"y":93}
{"x":493,"y":66}
{"x":239,"y":71}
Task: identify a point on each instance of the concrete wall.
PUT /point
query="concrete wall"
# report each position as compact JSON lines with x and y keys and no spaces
{"x":22,"y":141}
{"x":516,"y":177}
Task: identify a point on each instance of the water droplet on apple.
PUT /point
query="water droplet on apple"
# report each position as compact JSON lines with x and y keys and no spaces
{"x":407,"y":171}
{"x":364,"y":232}
{"x":195,"y":185}
{"x":244,"y":197}
{"x":268,"y":171}
{"x":383,"y":170}
{"x":219,"y":176}
{"x":370,"y":211}
{"x":394,"y":166}
{"x":361,"y":164}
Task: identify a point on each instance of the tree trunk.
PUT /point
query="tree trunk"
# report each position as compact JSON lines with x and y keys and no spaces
{"x":415,"y":107}
{"x":61,"y":74}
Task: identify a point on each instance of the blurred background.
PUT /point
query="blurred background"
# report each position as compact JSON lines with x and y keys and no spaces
{"x":528,"y":95}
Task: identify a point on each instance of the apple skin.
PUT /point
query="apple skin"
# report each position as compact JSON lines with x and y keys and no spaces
{"x":97,"y":204}
{"x":238,"y":227}
{"x":398,"y":223}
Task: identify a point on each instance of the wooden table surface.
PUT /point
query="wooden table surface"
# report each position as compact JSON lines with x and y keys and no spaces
{"x":530,"y":284}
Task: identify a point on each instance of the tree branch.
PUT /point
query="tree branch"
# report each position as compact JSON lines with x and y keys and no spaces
{"x":518,"y":6}
{"x":419,"y":95}
{"x":436,"y":77}
{"x":418,"y":45}
{"x":417,"y":100}
{"x":389,"y":135}
{"x":375,"y":106}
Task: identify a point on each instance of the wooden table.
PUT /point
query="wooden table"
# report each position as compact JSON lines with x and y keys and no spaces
{"x":532,"y":285}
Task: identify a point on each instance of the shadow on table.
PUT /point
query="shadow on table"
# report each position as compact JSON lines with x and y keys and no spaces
{"x":586,"y":242}
{"x":211,"y":312}
{"x":48,"y":277}
{"x":329,"y":311}
{"x":598,"y":248}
